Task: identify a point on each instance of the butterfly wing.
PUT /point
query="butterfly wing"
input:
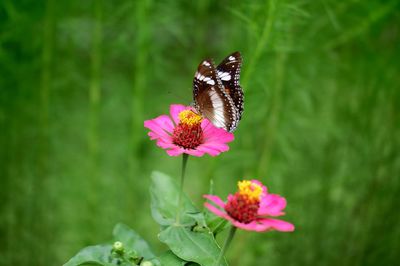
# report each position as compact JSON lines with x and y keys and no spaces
{"x":229,"y":73}
{"x":210,"y":98}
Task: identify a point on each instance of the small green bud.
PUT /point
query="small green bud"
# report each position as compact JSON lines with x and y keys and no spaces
{"x":118,"y":247}
{"x":146,"y":263}
{"x":199,"y":228}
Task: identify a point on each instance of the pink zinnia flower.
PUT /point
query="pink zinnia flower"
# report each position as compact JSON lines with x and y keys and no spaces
{"x":187,"y":132}
{"x":251,"y":207}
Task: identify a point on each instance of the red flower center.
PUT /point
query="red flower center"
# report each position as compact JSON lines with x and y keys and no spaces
{"x":242,"y":208}
{"x":188,"y":133}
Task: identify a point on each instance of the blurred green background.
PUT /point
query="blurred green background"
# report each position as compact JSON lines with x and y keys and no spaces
{"x":321,"y":124}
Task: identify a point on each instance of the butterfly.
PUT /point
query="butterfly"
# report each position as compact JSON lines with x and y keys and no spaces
{"x":217,"y":94}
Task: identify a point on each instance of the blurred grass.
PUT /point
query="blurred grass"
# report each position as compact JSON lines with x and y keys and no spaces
{"x":321,"y":122}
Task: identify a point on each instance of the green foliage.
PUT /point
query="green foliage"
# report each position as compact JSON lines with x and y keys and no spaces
{"x":128,"y":249}
{"x":191,"y":245}
{"x":198,"y":247}
{"x":187,"y":246}
{"x":132,"y":241}
{"x":93,"y":255}
{"x":164,"y":201}
{"x":321,"y":124}
{"x":216,"y":224}
{"x":170,"y":259}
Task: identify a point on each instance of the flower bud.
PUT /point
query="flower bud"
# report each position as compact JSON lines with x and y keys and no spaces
{"x":146,"y":263}
{"x":118,"y":247}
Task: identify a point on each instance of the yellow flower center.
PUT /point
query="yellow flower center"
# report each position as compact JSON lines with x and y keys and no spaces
{"x":190,"y":118}
{"x":250,"y":189}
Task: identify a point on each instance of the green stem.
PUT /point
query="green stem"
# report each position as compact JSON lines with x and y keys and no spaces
{"x":184,"y":162}
{"x":228,"y":241}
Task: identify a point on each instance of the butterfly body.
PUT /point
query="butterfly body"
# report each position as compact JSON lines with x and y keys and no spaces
{"x":217,"y":93}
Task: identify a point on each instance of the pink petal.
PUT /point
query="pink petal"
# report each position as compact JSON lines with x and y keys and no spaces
{"x":179,"y":150}
{"x":272,"y":205}
{"x":221,"y":147}
{"x":224,"y":137}
{"x":194,"y":152}
{"x":217,"y":211}
{"x":253,"y":226}
{"x":211,"y":150}
{"x":154,"y":136}
{"x":160,"y":125}
{"x":264,"y":188}
{"x":216,"y":200}
{"x":175,"y":151}
{"x":230,"y":197}
{"x":278,"y":225}
{"x":213,"y":133}
{"x":175,"y":109}
{"x":207,"y":126}
{"x":165,"y":144}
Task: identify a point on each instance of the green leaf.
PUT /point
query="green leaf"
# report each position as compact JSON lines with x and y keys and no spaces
{"x":199,"y":218}
{"x":103,"y":255}
{"x":199,"y":247}
{"x":164,"y":201}
{"x":93,"y":255}
{"x":132,"y":241}
{"x":156,"y":262}
{"x":216,"y":224}
{"x":170,"y":259}
{"x":201,"y":225}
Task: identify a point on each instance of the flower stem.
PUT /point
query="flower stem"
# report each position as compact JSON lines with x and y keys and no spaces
{"x":184,"y":162}
{"x":228,"y":240}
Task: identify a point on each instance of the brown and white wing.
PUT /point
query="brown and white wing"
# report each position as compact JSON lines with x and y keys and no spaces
{"x":228,"y":72}
{"x":211,"y":99}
